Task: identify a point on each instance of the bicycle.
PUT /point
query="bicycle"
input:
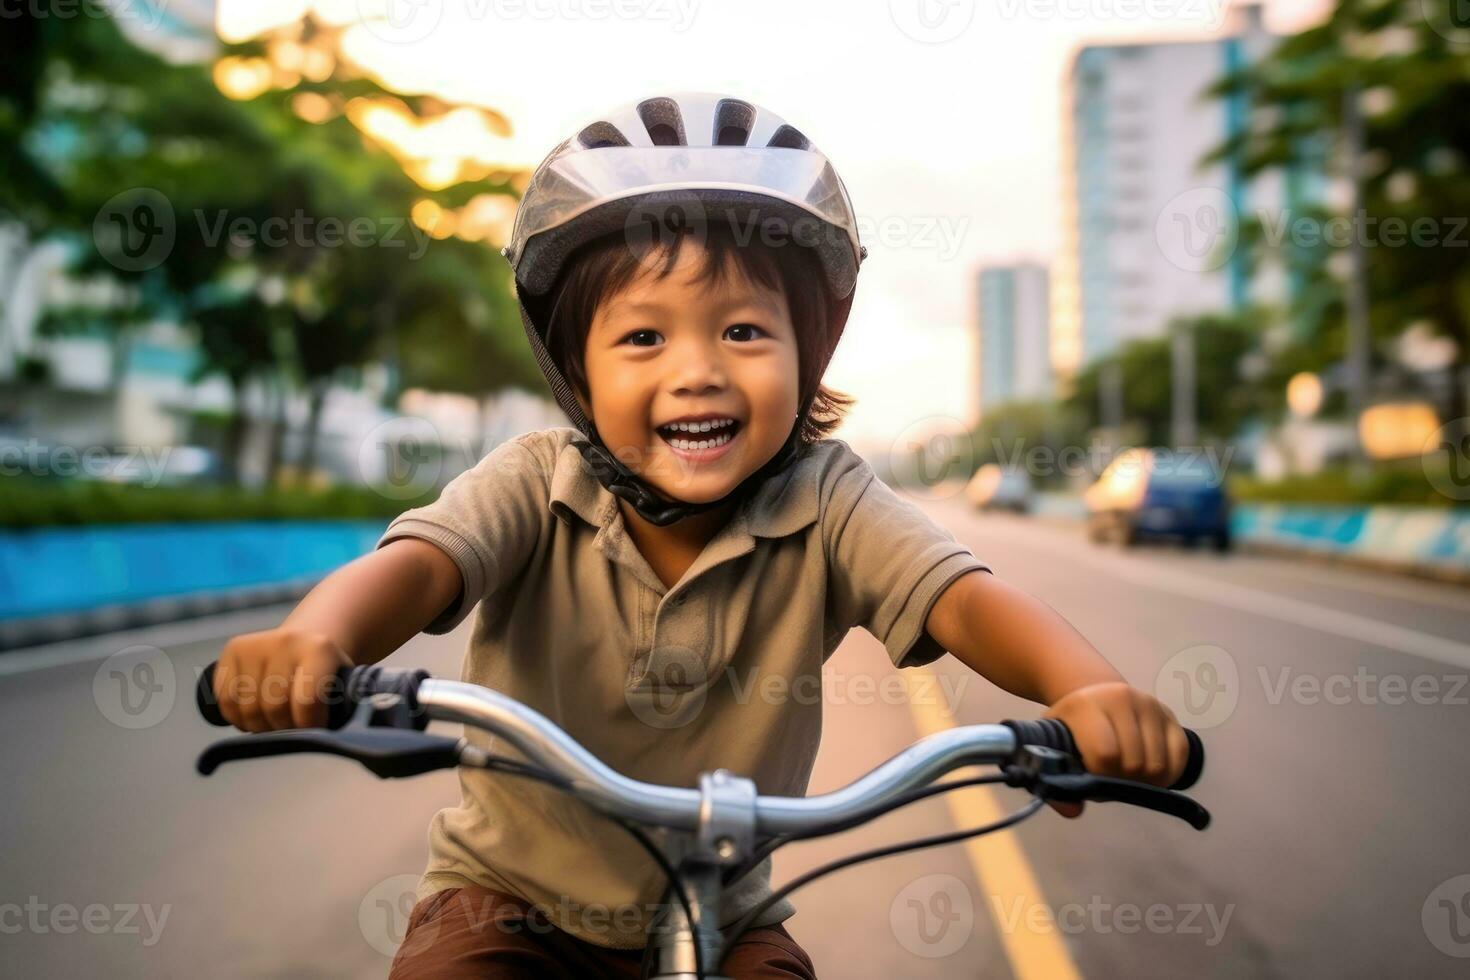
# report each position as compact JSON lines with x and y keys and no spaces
{"x":703,"y":839}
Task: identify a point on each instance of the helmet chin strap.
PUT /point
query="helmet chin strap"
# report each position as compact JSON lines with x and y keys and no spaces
{"x":648,"y":502}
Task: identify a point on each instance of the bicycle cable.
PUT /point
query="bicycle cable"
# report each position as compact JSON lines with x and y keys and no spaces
{"x":498,"y":763}
{"x":1007,"y":821}
{"x":912,"y":796}
{"x":515,"y":767}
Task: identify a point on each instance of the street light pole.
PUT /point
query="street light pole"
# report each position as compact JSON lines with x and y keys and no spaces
{"x":1356,"y":297}
{"x":1183,"y":427}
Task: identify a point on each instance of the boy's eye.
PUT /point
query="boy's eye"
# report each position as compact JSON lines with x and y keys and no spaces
{"x":745,"y":331}
{"x":649,"y":338}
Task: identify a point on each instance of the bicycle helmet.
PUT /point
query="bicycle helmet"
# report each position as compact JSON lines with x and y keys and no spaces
{"x":687,"y":160}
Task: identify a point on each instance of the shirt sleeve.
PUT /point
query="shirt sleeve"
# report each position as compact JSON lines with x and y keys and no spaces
{"x":887,"y":561}
{"x":487,"y":520}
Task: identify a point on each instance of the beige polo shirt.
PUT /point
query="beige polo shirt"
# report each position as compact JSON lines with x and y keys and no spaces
{"x":721,"y":670}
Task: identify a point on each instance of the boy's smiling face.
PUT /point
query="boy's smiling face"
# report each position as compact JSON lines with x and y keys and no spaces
{"x":668,"y":349}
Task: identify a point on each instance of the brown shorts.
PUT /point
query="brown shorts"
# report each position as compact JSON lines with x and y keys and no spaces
{"x":466,"y":932}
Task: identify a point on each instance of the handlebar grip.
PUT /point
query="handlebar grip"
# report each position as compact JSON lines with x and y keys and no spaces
{"x":1052,"y":733}
{"x":339,"y":705}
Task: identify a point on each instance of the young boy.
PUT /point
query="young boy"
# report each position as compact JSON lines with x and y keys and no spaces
{"x":640,"y":577}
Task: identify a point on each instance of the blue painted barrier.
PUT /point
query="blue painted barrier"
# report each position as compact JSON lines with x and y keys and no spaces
{"x":59,"y":570}
{"x":1428,"y":538}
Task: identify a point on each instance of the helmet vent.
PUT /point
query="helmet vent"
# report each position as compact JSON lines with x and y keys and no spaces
{"x":664,"y":122}
{"x":733,"y":122}
{"x":601,"y":134}
{"x":790,"y":138}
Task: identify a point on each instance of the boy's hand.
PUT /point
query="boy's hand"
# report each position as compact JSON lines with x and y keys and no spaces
{"x":1121,"y":731}
{"x":275,"y":679}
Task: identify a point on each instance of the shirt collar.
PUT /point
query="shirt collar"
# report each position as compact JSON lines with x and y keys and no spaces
{"x":783,"y":504}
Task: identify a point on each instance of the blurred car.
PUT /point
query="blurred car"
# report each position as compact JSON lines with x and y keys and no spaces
{"x":994,"y":487}
{"x":1149,"y":493}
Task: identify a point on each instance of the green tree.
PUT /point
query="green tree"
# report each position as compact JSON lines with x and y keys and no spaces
{"x":1223,"y":403}
{"x":1408,"y":68}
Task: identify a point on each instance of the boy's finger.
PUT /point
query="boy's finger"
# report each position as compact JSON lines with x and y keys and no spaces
{"x":1069,"y":810}
{"x":1153,"y":729}
{"x":1178,"y":745}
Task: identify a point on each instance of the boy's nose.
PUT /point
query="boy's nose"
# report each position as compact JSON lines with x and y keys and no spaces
{"x":698,"y":370}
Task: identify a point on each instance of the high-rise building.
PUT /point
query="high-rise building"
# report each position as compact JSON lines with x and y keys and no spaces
{"x":1147,"y":233}
{"x":1014,"y":334}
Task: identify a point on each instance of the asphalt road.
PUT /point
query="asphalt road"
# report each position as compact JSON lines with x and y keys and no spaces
{"x":1334,"y":704}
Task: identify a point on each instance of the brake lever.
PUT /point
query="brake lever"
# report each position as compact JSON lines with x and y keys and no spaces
{"x":1053,"y":775}
{"x":382,"y":735}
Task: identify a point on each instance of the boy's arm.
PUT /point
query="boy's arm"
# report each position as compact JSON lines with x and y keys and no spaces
{"x":372,"y":606}
{"x":1020,"y":644}
{"x":359,"y":614}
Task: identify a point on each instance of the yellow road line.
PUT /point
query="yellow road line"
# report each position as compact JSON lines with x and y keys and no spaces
{"x":1033,"y":944}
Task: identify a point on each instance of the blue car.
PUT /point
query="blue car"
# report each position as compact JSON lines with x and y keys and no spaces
{"x":1150,"y":493}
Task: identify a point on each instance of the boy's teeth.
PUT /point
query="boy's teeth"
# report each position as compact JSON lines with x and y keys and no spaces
{"x":695,"y":444}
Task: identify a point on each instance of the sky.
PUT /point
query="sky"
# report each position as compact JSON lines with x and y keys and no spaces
{"x":942,"y":117}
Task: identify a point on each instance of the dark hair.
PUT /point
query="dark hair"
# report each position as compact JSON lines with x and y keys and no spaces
{"x":607,"y":265}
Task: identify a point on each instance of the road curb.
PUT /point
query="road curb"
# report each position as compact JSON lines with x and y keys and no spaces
{"x":36,"y":630}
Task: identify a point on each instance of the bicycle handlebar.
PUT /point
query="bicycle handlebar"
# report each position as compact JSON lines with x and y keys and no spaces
{"x":548,"y":746}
